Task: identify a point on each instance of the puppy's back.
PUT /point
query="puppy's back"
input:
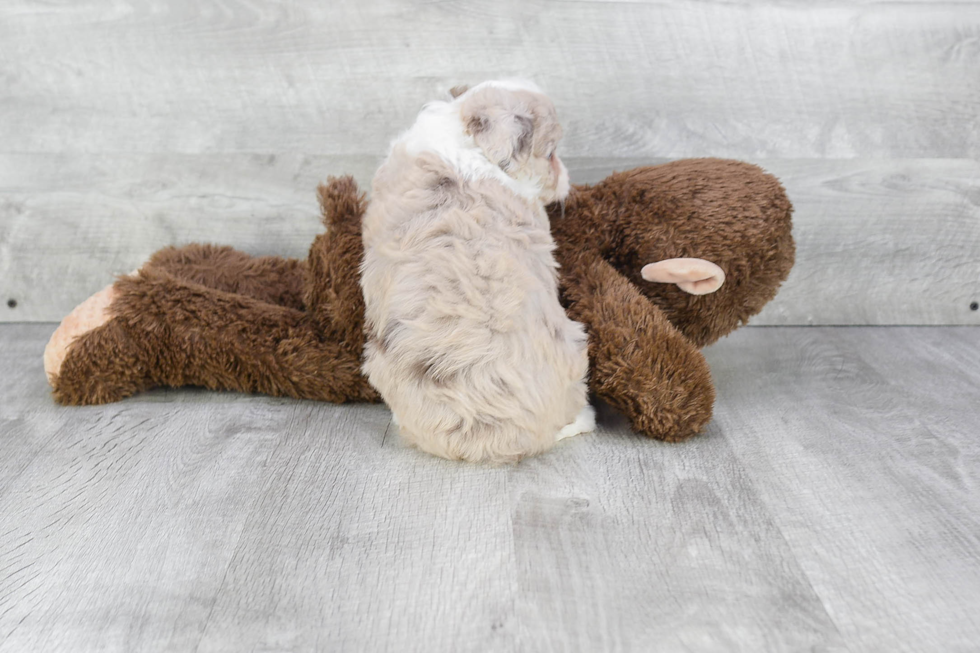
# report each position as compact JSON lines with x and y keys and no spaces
{"x":467,"y":341}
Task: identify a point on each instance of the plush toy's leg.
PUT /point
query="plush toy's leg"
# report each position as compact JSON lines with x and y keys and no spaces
{"x":639,"y":362}
{"x":327,"y":284}
{"x":217,"y":317}
{"x":269,"y":279}
{"x":166,"y":331}
{"x":89,"y":315}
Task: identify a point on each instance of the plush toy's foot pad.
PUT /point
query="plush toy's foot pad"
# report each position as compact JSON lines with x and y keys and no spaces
{"x":90,"y":314}
{"x":693,"y":275}
{"x":584,"y":423}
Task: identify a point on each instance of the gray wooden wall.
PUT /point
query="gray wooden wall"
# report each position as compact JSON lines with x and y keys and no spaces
{"x":127,"y":125}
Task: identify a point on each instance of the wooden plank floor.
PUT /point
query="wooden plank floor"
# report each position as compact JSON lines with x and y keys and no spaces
{"x":832,"y":505}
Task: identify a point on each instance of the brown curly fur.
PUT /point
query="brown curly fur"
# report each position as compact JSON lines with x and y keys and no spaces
{"x":644,"y":337}
{"x":218,"y":318}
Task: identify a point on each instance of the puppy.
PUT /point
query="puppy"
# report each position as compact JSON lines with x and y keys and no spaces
{"x":467,"y":342}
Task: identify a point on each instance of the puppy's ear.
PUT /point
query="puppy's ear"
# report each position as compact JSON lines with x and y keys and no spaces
{"x":503,"y":130}
{"x":456,"y":91}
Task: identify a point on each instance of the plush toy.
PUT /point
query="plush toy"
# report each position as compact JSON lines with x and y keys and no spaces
{"x":637,"y":252}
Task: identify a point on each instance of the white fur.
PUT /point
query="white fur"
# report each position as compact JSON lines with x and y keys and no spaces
{"x":438,"y":129}
{"x":467,"y":342}
{"x":584,"y":423}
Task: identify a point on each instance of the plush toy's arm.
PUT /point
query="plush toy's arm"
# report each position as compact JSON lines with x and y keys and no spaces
{"x":639,"y":362}
{"x":333,"y":292}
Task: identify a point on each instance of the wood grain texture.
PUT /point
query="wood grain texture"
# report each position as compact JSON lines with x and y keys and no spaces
{"x":70,"y":224}
{"x":670,"y":79}
{"x":134,"y":124}
{"x":356,"y":546}
{"x":832,"y":506}
{"x":613,"y":555}
{"x":190,"y":520}
{"x":879,"y":241}
{"x":863,"y":443}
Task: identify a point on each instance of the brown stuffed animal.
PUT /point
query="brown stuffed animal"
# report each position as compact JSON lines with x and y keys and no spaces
{"x":215,"y":317}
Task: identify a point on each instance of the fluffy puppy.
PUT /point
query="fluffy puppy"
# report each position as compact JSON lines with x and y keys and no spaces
{"x":467,"y":342}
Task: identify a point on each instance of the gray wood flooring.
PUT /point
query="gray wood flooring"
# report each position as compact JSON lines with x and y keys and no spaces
{"x":832,"y":505}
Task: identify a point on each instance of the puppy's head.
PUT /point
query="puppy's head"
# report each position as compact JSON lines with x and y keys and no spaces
{"x":517,"y":128}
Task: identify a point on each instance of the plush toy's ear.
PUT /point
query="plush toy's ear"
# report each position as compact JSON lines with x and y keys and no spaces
{"x":692,"y":275}
{"x":503,"y":128}
{"x":456,"y":91}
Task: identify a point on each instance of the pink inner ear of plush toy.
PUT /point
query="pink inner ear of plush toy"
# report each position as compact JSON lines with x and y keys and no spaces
{"x":692,"y":275}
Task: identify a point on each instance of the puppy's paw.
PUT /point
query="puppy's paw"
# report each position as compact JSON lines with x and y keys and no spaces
{"x":693,"y":275}
{"x":90,"y":314}
{"x":584,"y":423}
